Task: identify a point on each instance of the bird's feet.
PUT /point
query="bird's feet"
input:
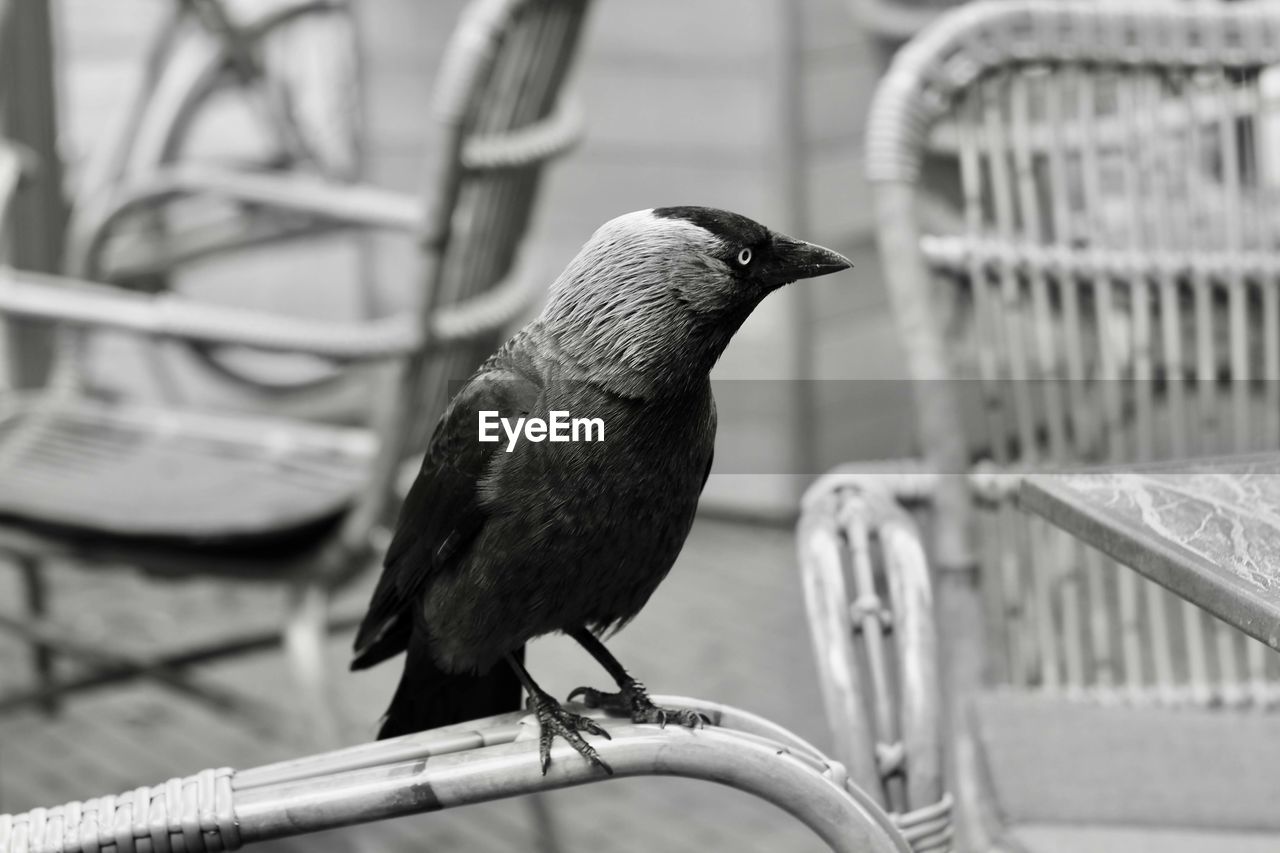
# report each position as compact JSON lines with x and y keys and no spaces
{"x":632,"y":700}
{"x":554,"y":719}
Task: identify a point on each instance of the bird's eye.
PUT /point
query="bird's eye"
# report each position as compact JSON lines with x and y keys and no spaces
{"x":744,"y":257}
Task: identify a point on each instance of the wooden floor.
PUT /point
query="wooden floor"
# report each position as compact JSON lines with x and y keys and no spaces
{"x":727,"y":625}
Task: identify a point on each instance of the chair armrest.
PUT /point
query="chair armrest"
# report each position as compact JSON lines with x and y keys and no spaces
{"x":75,"y":302}
{"x":304,"y":196}
{"x":909,"y":481}
{"x":351,"y":203}
{"x":453,"y":766}
{"x":885,"y":724}
{"x":355,"y":204}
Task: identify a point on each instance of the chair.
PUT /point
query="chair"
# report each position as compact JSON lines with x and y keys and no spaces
{"x":1109,"y":296}
{"x":867,"y":593}
{"x":185,"y":492}
{"x":275,"y":87}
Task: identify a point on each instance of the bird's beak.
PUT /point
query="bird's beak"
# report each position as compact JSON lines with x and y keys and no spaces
{"x":795,"y":259}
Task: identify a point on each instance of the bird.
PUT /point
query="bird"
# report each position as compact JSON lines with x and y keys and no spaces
{"x":498,"y":543}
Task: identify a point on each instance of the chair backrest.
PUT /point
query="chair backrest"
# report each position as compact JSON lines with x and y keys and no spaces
{"x":1101,"y":289}
{"x":498,"y":102}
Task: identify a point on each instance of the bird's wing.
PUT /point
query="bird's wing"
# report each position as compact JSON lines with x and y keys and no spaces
{"x":442,"y":513}
{"x":711,"y":432}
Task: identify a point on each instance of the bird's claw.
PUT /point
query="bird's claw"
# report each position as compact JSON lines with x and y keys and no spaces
{"x":553,"y":719}
{"x":633,"y":701}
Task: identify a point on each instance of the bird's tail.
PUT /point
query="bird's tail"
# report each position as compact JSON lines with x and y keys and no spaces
{"x":428,"y":697}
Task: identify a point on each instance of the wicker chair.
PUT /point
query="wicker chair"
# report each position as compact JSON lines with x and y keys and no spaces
{"x":1109,"y":296}
{"x":302,"y":116}
{"x":184,"y":492}
{"x":877,"y":659}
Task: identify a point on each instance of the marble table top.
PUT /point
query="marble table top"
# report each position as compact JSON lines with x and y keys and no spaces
{"x":1207,"y":529}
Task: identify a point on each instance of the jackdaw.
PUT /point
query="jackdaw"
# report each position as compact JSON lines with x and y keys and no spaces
{"x":500,"y":542}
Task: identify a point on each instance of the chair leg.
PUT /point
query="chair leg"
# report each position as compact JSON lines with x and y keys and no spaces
{"x":305,"y":634}
{"x":546,"y":837}
{"x":42,"y":659}
{"x":964,"y":662}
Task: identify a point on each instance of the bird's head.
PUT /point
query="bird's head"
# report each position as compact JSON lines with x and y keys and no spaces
{"x":657,"y":294}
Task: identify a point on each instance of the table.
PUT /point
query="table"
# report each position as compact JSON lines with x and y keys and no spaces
{"x":1208,"y":529}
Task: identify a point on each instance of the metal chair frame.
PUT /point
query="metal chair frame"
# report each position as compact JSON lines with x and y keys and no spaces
{"x":1039,"y":265}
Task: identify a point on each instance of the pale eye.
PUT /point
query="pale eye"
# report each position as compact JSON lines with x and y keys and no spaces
{"x":744,"y":257}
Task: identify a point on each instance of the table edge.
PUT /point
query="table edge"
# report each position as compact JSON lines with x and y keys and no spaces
{"x":1152,"y":557}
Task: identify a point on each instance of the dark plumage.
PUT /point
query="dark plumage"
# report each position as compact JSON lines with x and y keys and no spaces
{"x":494,"y":548}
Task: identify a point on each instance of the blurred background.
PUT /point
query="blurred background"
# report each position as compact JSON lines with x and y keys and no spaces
{"x":249,"y":247}
{"x":756,"y":107}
